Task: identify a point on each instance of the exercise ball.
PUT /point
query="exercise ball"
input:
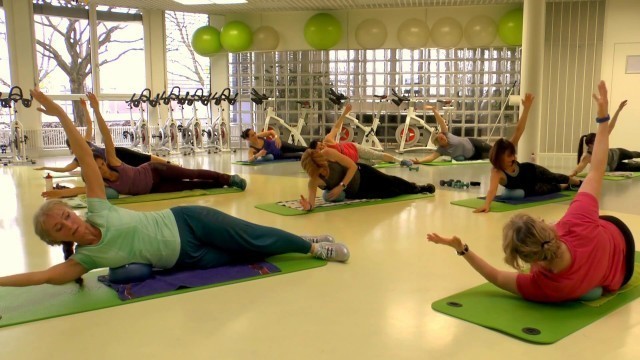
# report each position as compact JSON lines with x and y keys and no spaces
{"x":340,"y":198}
{"x":236,"y":36}
{"x":480,"y":31}
{"x":371,"y":34}
{"x":510,"y":27}
{"x":322,"y":31}
{"x":265,"y":38}
{"x":413,"y":33}
{"x":206,"y":41}
{"x":446,"y":32}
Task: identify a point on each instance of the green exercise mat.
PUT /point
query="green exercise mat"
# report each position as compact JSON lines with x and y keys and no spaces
{"x":614,"y":177}
{"x":21,"y":305}
{"x":283,"y":210}
{"x":259,"y":163}
{"x":384,"y":164}
{"x":454,"y":163}
{"x":496,"y":206}
{"x":488,"y":306}
{"x":173,"y":195}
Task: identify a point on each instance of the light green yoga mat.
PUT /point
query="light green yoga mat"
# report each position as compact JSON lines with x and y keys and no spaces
{"x":172,"y":195}
{"x":613,"y":178}
{"x":21,"y":305}
{"x":454,"y":163}
{"x":488,"y":306}
{"x":496,"y":206}
{"x":283,"y":210}
{"x":384,"y":164}
{"x":259,"y":163}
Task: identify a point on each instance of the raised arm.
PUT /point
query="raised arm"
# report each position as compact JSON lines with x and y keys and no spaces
{"x":332,"y":136}
{"x":494,"y":181}
{"x":110,"y":148}
{"x":69,"y":167}
{"x":593,"y":182}
{"x":505,"y":280}
{"x":91,"y":173}
{"x":522,"y":122}
{"x":439,"y":119}
{"x":614,"y":119}
{"x":59,"y":274}
{"x":88,"y":135}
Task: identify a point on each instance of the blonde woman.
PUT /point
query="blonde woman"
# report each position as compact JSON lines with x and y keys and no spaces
{"x":579,"y":257}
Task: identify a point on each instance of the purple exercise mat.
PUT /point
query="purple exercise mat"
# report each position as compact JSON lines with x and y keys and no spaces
{"x":170,"y":280}
{"x":528,"y":199}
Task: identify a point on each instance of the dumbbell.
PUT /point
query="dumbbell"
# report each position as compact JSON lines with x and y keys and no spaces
{"x":414,"y":168}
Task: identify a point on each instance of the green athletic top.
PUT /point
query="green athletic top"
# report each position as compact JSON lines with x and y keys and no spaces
{"x":129,"y":237}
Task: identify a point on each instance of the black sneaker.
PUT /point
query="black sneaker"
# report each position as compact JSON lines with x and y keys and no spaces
{"x":429,"y":188}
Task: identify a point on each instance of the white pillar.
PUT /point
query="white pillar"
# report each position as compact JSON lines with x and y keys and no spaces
{"x":532,"y":67}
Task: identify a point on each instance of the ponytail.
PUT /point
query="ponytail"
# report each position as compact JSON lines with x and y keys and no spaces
{"x":581,"y":147}
{"x":67,"y":250}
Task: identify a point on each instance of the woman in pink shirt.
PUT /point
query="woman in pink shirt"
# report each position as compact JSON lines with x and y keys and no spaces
{"x":579,"y":257}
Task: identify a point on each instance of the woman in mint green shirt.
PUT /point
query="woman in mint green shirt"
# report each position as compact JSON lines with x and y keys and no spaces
{"x":180,"y":237}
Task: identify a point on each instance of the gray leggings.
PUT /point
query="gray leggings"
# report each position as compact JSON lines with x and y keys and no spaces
{"x":366,"y":153}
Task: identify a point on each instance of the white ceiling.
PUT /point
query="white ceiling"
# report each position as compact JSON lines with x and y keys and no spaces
{"x":254,"y":6}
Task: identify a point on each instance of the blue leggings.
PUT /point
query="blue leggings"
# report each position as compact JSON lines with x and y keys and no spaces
{"x":210,"y":238}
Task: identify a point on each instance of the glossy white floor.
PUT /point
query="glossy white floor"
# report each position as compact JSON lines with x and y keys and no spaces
{"x":376,"y":306}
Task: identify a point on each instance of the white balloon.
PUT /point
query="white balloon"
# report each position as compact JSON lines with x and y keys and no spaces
{"x":480,"y":31}
{"x":371,"y":34}
{"x":413,"y":33}
{"x":265,"y":38}
{"x":446,"y":32}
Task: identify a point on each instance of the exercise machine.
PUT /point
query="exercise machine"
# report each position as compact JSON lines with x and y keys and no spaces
{"x":286,"y":131}
{"x":361,"y":134}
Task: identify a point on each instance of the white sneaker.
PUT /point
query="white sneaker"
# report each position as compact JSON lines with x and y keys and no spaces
{"x":331,"y":252}
{"x":315,"y":239}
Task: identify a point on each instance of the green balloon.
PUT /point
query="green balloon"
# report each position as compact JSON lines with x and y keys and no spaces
{"x":510,"y":27}
{"x":236,"y":36}
{"x":206,"y":41}
{"x":322,"y":31}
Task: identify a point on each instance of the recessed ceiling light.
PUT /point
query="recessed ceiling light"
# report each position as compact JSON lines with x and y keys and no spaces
{"x":205,"y":2}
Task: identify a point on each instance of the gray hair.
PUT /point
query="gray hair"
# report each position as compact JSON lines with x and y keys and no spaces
{"x":41,"y":214}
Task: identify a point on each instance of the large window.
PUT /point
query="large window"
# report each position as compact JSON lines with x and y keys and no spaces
{"x":185,"y":68}
{"x":5,"y":77}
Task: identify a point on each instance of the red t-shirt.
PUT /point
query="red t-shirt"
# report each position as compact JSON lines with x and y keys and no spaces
{"x":347,"y":149}
{"x":597,"y":250}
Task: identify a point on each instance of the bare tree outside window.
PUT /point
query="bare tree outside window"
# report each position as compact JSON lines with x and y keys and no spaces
{"x":64,"y":48}
{"x":185,"y":68}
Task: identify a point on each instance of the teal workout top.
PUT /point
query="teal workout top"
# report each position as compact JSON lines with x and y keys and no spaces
{"x":129,"y":237}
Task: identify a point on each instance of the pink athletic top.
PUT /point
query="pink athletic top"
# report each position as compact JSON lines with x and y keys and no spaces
{"x":347,"y":149}
{"x":132,"y":180}
{"x":597,"y":250}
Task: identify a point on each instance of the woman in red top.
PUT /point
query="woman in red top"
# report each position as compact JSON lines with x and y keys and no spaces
{"x":353,"y":151}
{"x":579,"y":257}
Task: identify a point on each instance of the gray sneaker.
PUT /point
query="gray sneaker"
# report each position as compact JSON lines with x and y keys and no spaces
{"x":331,"y":251}
{"x":238,"y":182}
{"x":318,"y":239}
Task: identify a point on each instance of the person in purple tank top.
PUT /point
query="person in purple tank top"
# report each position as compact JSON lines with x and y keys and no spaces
{"x":267,"y":146}
{"x":150,"y":177}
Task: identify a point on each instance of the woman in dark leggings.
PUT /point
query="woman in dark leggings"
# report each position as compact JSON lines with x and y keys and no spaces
{"x":520,"y":179}
{"x":334,"y":172}
{"x":267,"y":146}
{"x":615,"y":157}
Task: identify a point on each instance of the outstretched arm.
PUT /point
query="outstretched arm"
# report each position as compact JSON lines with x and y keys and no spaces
{"x":87,"y":116}
{"x":505,"y":280}
{"x":109,"y":146}
{"x":614,"y":119}
{"x":92,"y":177}
{"x":494,"y":181}
{"x":439,"y":119}
{"x":59,"y":274}
{"x":69,"y":167}
{"x":522,"y":122}
{"x":427,"y":159}
{"x":337,"y":127}
{"x":586,"y":158}
{"x":64,"y":193}
{"x":593,"y":182}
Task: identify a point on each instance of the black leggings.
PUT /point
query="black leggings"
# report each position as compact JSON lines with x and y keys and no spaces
{"x":536,"y":180}
{"x":481,"y":149}
{"x":630,"y":252}
{"x":291,"y":151}
{"x":170,"y":178}
{"x":132,"y":157}
{"x":627,"y":155}
{"x":378,"y":185}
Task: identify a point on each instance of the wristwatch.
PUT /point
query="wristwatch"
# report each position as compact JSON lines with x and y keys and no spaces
{"x":465,"y":249}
